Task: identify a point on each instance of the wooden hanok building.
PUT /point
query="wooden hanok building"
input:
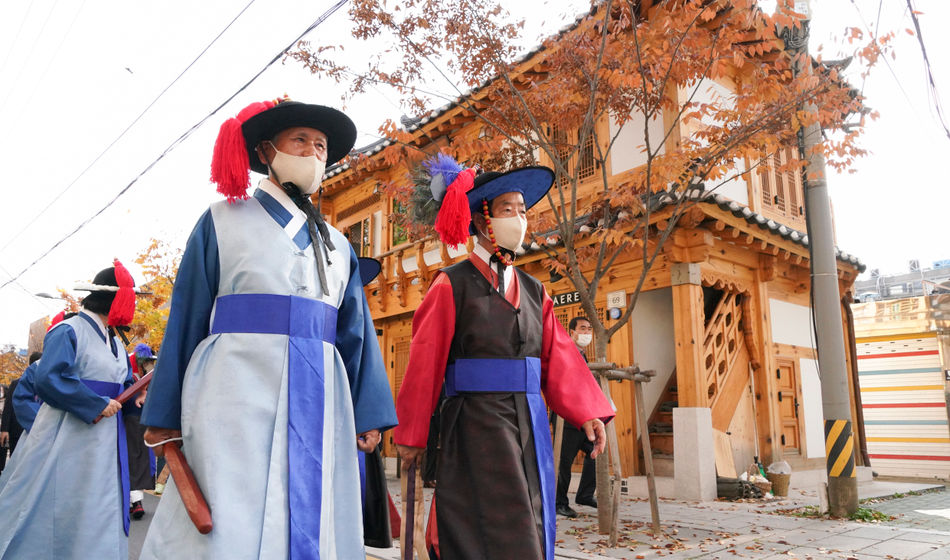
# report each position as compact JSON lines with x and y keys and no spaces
{"x":724,"y":317}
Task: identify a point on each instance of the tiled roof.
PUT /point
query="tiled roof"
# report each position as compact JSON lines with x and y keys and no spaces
{"x":736,"y":209}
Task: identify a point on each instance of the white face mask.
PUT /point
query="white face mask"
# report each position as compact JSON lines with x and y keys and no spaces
{"x":509,"y":232}
{"x":304,"y":171}
{"x":584,"y":340}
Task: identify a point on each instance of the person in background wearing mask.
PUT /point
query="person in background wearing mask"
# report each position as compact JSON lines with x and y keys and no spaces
{"x":270,"y":371}
{"x":488,"y":331}
{"x":573,"y":440}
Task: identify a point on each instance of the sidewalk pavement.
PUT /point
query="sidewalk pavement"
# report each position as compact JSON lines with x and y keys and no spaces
{"x":719,"y":530}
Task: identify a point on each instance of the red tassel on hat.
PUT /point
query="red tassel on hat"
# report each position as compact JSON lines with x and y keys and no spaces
{"x":229,"y":163}
{"x":123,"y":306}
{"x":455,"y":215}
{"x":57,"y":319}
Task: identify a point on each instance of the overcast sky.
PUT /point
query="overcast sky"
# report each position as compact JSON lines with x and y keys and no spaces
{"x":75,"y":75}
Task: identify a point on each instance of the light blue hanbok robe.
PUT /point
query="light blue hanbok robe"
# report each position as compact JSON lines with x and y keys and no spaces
{"x":63,"y":497}
{"x":270,"y":381}
{"x":25,"y":402}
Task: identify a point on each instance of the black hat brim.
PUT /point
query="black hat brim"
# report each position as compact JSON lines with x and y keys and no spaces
{"x":369,"y":269}
{"x":339,"y":128}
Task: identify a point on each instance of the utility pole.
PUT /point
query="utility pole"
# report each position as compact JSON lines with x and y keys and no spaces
{"x":826,"y":301}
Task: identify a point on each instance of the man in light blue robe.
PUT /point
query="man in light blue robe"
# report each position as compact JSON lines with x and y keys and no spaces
{"x":270,"y":370}
{"x":24,"y":400}
{"x":65,"y":494}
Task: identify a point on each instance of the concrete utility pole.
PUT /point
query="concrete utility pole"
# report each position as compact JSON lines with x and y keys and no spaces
{"x":826,"y":301}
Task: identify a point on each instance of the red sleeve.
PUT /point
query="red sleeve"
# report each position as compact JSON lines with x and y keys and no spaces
{"x":433,"y":326}
{"x":568,"y":385}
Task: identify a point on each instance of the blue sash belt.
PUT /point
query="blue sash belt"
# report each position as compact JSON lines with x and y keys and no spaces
{"x":515,"y":376}
{"x":112,"y":390}
{"x":304,"y":321}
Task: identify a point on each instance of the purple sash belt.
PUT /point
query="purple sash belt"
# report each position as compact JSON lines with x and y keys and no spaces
{"x":304,"y":321}
{"x":515,"y":376}
{"x":112,"y":390}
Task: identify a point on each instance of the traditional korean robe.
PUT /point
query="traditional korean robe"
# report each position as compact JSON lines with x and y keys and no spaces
{"x":496,"y":355}
{"x":65,"y":494}
{"x":270,"y":381}
{"x":24,"y":400}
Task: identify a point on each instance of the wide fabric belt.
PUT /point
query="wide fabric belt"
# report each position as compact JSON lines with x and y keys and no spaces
{"x":494,"y":375}
{"x":112,"y":390}
{"x":305,"y":321}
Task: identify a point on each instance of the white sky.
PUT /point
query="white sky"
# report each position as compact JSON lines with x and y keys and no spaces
{"x":74,"y":75}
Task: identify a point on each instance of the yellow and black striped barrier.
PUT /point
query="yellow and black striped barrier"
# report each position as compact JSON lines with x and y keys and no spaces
{"x":839,"y":448}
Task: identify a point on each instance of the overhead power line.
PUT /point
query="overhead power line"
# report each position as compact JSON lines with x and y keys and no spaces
{"x":930,"y":76}
{"x":123,"y":133}
{"x":178,"y":141}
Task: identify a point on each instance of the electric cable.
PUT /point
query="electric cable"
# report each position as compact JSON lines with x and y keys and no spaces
{"x":16,"y":37}
{"x":339,"y":4}
{"x":123,"y":133}
{"x":26,"y":61}
{"x":932,"y":85}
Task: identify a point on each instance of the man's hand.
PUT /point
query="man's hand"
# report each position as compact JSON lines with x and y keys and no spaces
{"x":595,"y":433}
{"x":111,"y":409}
{"x":367,"y":441}
{"x":410,"y":454}
{"x":155,"y":435}
{"x":4,"y":439}
{"x":140,"y":399}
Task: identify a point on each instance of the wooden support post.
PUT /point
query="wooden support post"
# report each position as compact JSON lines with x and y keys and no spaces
{"x":647,"y":456}
{"x":688,"y":326}
{"x":613,"y":455}
{"x":558,"y":443}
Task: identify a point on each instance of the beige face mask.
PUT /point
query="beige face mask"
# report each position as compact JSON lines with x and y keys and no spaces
{"x":509,"y":232}
{"x":306,"y":172}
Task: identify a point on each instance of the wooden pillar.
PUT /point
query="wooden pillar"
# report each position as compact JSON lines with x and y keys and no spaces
{"x":768,"y":425}
{"x":688,"y":327}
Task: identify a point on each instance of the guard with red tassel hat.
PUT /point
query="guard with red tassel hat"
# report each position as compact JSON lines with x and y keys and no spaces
{"x":269,"y":349}
{"x":487,"y":333}
{"x":69,"y":468}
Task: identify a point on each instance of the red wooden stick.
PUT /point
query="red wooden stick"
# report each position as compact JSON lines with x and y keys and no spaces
{"x":133,"y":390}
{"x":188,"y":489}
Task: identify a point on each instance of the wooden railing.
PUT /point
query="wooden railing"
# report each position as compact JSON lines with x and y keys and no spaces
{"x":721,"y":342}
{"x":407,"y":271}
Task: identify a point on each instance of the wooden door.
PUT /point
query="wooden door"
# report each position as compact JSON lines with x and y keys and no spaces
{"x":398,"y":359}
{"x":787,"y":397}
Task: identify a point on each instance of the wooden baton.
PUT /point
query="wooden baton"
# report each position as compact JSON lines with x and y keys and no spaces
{"x":133,"y":390}
{"x":188,"y":489}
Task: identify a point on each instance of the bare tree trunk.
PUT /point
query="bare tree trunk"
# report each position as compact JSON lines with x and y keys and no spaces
{"x":605,"y":519}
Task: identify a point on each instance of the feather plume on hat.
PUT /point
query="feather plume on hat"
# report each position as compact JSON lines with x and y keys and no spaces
{"x":440,"y":198}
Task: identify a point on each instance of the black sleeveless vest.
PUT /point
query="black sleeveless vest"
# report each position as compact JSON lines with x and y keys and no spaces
{"x":486,"y":324}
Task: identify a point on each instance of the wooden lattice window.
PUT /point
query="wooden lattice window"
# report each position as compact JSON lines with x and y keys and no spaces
{"x":781,"y":188}
{"x":361,"y":237}
{"x":580,"y":161}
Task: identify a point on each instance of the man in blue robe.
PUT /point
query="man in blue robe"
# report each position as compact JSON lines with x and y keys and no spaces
{"x":65,"y":493}
{"x":269,"y":371}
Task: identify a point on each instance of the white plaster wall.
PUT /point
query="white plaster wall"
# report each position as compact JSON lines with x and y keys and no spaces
{"x":735,"y":189}
{"x":653,"y":340}
{"x":811,"y":409}
{"x":791,"y":324}
{"x":628,"y":151}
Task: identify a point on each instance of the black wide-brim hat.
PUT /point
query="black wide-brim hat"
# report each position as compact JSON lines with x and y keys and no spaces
{"x":532,"y":182}
{"x":369,"y":269}
{"x":340,"y":130}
